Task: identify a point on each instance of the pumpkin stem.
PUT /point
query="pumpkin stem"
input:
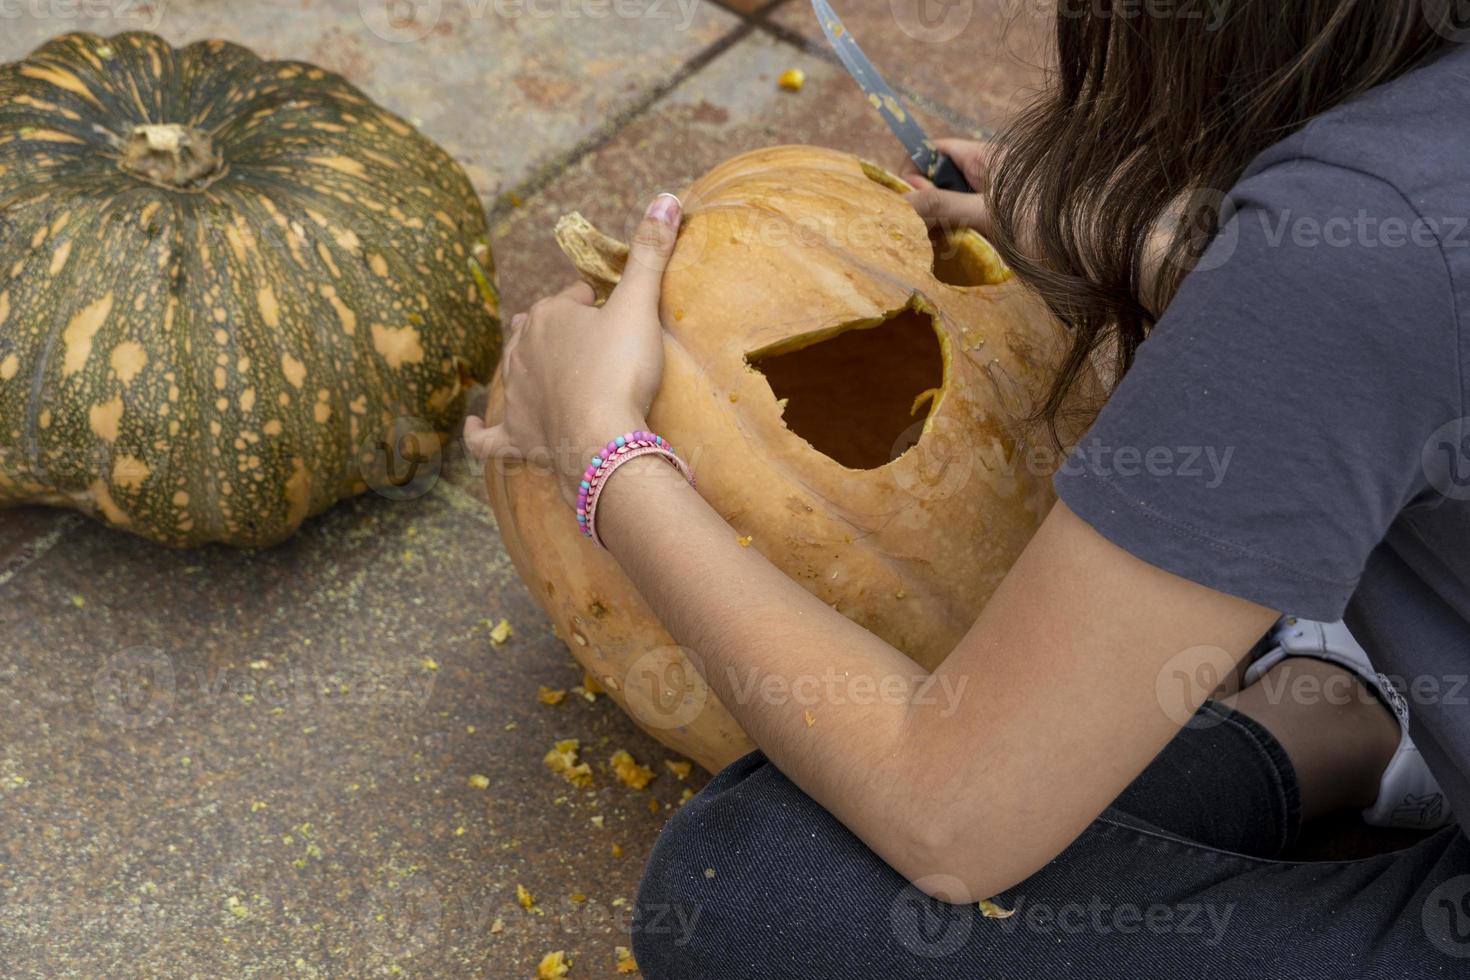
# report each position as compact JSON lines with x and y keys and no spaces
{"x":600,"y":259}
{"x":172,"y":156}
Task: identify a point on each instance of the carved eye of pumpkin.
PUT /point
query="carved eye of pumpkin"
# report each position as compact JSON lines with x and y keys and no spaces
{"x":224,"y":283}
{"x":849,"y":392}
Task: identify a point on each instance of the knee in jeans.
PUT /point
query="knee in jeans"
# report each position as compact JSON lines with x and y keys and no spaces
{"x":717,"y":870}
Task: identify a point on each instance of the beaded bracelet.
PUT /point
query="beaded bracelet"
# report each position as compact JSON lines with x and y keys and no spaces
{"x":605,"y":464}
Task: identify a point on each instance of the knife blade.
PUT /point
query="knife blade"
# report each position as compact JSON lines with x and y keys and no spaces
{"x":940,"y":169}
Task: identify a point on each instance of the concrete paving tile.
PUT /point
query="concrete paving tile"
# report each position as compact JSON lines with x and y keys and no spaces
{"x":980,"y":58}
{"x":28,"y":533}
{"x":224,"y":763}
{"x":504,"y":85}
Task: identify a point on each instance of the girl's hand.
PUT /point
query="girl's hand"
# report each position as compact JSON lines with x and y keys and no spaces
{"x":953,"y":209}
{"x":576,"y":376}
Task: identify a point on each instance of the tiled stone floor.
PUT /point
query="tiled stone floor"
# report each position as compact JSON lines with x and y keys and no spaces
{"x":227,"y":764}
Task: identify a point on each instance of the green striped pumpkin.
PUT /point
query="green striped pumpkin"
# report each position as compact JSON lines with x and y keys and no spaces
{"x":224,"y":283}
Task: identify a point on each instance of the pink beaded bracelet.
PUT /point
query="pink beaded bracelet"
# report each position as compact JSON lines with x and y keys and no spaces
{"x":605,"y":464}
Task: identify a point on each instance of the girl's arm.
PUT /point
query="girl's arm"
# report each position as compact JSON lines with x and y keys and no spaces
{"x":1083,"y":666}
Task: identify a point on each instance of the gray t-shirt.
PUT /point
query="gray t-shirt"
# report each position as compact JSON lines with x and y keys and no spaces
{"x":1295,"y":429}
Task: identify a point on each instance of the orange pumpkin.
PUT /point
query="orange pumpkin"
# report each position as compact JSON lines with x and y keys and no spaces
{"x":849,"y":393}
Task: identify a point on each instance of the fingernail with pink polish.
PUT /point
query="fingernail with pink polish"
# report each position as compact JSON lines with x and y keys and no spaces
{"x":518,"y":321}
{"x":665,"y":208}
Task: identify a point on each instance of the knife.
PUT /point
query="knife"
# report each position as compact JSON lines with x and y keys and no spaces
{"x":940,"y":169}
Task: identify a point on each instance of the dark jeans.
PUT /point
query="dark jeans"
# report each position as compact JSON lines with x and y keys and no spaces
{"x":752,"y":879}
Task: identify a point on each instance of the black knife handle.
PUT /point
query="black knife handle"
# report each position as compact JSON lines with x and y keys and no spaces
{"x":947,"y":177}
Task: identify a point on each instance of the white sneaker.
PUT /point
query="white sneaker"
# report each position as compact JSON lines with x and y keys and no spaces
{"x":1408,"y":794}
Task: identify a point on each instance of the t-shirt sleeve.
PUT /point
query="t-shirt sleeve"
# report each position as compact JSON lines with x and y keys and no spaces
{"x":1273,"y":425}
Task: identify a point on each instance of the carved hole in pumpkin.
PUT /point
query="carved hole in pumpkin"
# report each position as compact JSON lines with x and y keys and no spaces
{"x":965,"y":259}
{"x":962,"y":257}
{"x":859,"y":393}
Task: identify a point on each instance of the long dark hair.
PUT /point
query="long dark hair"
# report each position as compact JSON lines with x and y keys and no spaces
{"x":1157,"y":114}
